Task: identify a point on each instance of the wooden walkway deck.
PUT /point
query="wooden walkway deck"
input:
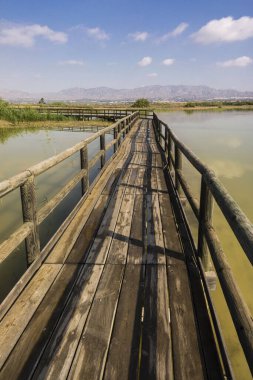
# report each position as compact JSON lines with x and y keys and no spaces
{"x":118,"y":297}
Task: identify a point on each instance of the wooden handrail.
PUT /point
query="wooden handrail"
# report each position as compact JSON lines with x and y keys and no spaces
{"x":25,"y":181}
{"x":213,"y":189}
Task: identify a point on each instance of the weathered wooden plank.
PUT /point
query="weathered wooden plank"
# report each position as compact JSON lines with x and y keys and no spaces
{"x":28,"y":350}
{"x":156,"y":357}
{"x":18,"y":288}
{"x":155,"y":243}
{"x":101,"y":245}
{"x":112,"y":181}
{"x":90,"y":356}
{"x":78,"y":253}
{"x":119,"y":246}
{"x":161,"y":184}
{"x":141,"y":180}
{"x":136,"y":248}
{"x":18,"y":317}
{"x":58,"y":355}
{"x":125,"y":341}
{"x":186,"y":352}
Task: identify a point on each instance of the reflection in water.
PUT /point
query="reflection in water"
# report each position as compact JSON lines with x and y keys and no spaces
{"x":224,"y":141}
{"x":229,"y":169}
{"x":20,"y":149}
{"x":231,"y":142}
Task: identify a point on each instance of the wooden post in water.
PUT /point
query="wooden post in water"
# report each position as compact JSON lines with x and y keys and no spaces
{"x":205,"y":216}
{"x":85,"y":165}
{"x":28,"y":199}
{"x":178,"y":167}
{"x":102,"y":148}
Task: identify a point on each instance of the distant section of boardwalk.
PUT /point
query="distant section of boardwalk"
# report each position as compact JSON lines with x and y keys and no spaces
{"x":115,"y":299}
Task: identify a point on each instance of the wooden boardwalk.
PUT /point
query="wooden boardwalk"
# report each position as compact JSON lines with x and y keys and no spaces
{"x":118,"y":297}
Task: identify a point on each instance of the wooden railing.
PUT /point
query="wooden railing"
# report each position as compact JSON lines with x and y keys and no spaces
{"x":32,"y":216}
{"x":212,"y":189}
{"x":80,"y":112}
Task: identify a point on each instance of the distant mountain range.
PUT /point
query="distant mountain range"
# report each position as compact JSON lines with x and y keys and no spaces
{"x":106,"y":94}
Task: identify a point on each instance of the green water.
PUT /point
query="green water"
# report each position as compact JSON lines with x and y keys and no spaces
{"x":224,"y":141}
{"x":19,"y":149}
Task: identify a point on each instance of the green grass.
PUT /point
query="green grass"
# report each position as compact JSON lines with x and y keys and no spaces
{"x":14,"y":115}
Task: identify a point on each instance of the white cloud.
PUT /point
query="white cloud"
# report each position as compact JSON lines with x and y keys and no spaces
{"x":152,"y":75}
{"x":25,"y":35}
{"x":139,"y":36}
{"x":179,"y":29}
{"x":97,"y":34}
{"x":72,"y":62}
{"x":225,"y":29}
{"x":145,"y":61}
{"x":237,"y":62}
{"x":174,"y":33}
{"x":168,"y":61}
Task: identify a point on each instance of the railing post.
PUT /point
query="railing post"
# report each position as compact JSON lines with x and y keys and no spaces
{"x":119,"y":134}
{"x":169,"y":147}
{"x":29,"y":209}
{"x":124,"y":132}
{"x":127,"y":126}
{"x":205,"y":216}
{"x":102,"y":148}
{"x":156,"y":127}
{"x":85,"y":165}
{"x":116,"y":138}
{"x":178,"y":168}
{"x":166,"y":141}
{"x":159,"y":132}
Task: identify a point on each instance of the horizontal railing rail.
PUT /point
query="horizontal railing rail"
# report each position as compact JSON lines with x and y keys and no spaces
{"x":212,"y":189}
{"x":88,"y":111}
{"x":25,"y":181}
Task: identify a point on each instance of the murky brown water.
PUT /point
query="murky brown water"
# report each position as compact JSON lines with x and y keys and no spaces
{"x":224,"y":141}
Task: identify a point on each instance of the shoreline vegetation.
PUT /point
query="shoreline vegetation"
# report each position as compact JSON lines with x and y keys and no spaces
{"x":25,"y":116}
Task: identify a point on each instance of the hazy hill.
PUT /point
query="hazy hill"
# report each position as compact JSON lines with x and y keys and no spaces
{"x":156,"y":93}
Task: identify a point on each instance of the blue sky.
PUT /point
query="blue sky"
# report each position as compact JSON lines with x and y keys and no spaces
{"x":50,"y":45}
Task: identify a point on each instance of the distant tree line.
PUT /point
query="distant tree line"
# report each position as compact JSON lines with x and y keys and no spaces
{"x":219,"y":103}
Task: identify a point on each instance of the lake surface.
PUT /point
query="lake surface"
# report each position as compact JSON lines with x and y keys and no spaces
{"x":224,"y":141}
{"x":20,"y":149}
